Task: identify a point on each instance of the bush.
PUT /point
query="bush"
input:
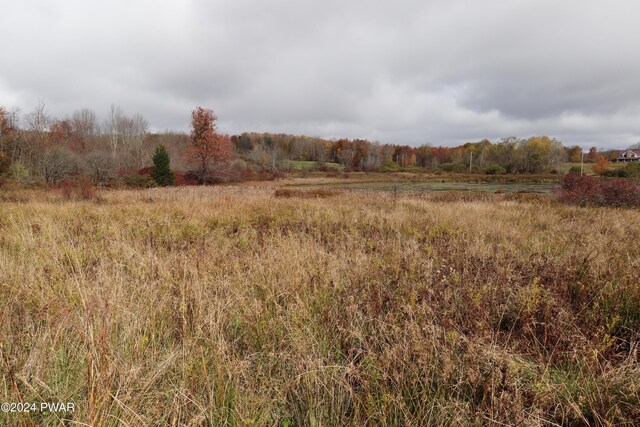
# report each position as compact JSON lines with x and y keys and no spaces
{"x":320,"y":167}
{"x":614,"y":173}
{"x":631,"y":170}
{"x":390,"y":166}
{"x":619,"y":192}
{"x":80,"y":188}
{"x":453,"y":167}
{"x":20,"y":172}
{"x":495,"y":170}
{"x":587,"y":190}
{"x":575,"y":169}
{"x":186,"y":178}
{"x":139,"y":181}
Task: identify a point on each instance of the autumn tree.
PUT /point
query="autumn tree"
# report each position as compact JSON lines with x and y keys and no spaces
{"x":207,"y":148}
{"x":602,"y":164}
{"x":575,"y":154}
{"x":84,"y":124}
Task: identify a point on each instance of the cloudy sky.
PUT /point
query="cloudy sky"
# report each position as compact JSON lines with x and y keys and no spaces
{"x":401,"y":71}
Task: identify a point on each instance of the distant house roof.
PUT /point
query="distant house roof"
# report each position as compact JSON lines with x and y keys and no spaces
{"x":629,"y":153}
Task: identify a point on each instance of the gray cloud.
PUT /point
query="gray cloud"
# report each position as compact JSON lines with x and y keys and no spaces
{"x":407,"y":71}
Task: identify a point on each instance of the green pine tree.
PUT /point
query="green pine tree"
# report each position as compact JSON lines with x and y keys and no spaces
{"x":162,"y":173}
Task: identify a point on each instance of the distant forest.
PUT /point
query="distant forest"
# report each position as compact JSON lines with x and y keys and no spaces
{"x":37,"y":148}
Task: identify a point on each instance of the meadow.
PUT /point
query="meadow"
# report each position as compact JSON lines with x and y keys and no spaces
{"x":250,"y":305}
{"x":431,"y":186}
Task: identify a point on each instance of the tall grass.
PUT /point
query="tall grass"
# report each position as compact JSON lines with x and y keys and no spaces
{"x":229,"y":306}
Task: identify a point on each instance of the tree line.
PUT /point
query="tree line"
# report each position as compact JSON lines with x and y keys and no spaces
{"x":36,"y":147}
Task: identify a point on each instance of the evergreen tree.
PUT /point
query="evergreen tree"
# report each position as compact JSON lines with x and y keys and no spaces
{"x":162,"y":173}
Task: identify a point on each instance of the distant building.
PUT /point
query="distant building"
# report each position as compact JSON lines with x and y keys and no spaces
{"x":628,"y":156}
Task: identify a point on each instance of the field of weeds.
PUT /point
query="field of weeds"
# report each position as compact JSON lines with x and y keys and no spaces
{"x":231,"y":306}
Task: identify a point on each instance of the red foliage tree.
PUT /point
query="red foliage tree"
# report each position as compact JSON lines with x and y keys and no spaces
{"x":208,"y":148}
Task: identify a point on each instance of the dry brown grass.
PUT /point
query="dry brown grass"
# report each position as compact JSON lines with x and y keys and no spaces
{"x":315,"y":193}
{"x":229,"y":306}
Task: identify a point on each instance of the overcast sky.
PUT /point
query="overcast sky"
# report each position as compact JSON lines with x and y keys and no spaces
{"x":401,"y":71}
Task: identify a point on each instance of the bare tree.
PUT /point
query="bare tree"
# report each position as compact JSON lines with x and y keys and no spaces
{"x":557,"y":154}
{"x":55,"y":164}
{"x":126,"y":136}
{"x":98,"y":165}
{"x":38,"y":120}
{"x":139,"y":132}
{"x":374,"y":157}
{"x":111,"y":129}
{"x":84,"y":125}
{"x":34,"y":138}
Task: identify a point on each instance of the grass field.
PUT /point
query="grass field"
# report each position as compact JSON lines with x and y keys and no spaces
{"x":229,"y":306}
{"x":588,"y":167}
{"x":426,"y":183}
{"x":430,"y":186}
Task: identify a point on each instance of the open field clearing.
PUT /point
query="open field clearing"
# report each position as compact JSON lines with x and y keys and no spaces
{"x":430,"y":186}
{"x":427,"y":183}
{"x":302,"y":165}
{"x":230,"y":306}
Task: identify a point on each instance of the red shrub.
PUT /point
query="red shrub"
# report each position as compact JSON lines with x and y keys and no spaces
{"x":145,"y":171}
{"x":80,"y":188}
{"x":587,"y":190}
{"x":620,"y":192}
{"x":185,"y":178}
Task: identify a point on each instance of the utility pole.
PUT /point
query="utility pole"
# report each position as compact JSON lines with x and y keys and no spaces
{"x":582,"y":163}
{"x":470,"y":161}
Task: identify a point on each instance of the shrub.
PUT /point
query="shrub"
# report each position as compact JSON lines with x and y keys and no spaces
{"x":390,"y":166}
{"x":453,"y":167}
{"x":237,"y":165}
{"x":186,"y":178}
{"x":575,"y":169}
{"x":614,"y":173}
{"x":587,"y":190}
{"x":20,"y":172}
{"x":80,"y":188}
{"x":321,"y":167}
{"x":619,"y":192}
{"x":631,"y":170}
{"x":495,"y":170}
{"x":139,"y":181}
{"x":161,"y":172}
